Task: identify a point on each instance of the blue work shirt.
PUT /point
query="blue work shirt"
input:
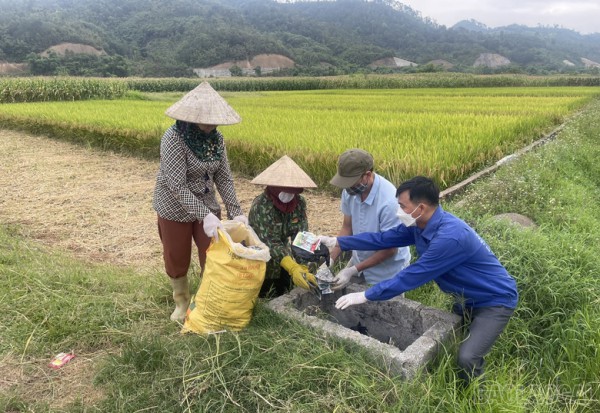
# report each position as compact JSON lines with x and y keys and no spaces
{"x":377,"y":213}
{"x":450,"y":253}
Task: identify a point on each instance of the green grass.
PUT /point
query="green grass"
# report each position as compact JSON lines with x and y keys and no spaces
{"x":557,"y":266}
{"x":546,"y":361}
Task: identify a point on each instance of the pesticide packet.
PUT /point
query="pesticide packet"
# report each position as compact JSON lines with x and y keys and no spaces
{"x":307,"y":241}
{"x":60,"y":360}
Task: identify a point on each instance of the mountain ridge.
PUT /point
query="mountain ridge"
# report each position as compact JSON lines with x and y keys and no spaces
{"x":157,"y":38}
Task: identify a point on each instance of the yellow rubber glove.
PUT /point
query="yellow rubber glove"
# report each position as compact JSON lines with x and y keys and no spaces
{"x":301,"y":277}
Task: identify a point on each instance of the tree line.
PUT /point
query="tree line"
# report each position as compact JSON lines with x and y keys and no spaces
{"x":159,"y":38}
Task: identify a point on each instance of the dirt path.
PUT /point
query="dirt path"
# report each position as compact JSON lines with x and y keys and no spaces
{"x":98,"y":205}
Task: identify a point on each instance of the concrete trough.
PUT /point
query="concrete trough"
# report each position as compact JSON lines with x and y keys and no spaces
{"x":403,"y":333}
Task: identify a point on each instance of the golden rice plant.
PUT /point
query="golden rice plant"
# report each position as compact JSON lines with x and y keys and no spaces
{"x":443,"y":133}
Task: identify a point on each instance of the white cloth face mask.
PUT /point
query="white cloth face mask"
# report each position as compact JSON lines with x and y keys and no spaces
{"x":407,"y":219}
{"x":285,"y":197}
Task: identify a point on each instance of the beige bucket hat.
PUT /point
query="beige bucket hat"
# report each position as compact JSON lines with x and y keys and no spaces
{"x":203,"y":105}
{"x":286,"y":173}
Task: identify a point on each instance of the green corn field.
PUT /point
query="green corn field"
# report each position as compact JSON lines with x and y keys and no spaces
{"x":405,"y":81}
{"x":72,"y":88}
{"x":58,"y":89}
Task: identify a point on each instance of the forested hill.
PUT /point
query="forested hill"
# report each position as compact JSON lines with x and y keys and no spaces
{"x":170,"y":37}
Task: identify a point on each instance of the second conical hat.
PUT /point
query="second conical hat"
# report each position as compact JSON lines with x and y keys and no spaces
{"x":203,"y":105}
{"x":284,"y":172}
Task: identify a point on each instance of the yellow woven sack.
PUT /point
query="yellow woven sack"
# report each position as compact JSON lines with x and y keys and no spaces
{"x":234,"y":273}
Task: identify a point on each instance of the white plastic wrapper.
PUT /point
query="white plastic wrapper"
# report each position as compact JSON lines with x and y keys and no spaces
{"x":324,"y":278}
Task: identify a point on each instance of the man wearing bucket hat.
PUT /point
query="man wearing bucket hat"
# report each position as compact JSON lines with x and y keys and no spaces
{"x":369,"y":204}
{"x":193,"y":161}
{"x":276,"y":216}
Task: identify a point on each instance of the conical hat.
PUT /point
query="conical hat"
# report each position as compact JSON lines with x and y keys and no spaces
{"x":284,"y":172}
{"x":203,"y":105}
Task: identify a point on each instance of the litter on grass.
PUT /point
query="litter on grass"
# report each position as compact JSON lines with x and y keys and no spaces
{"x":61,"y":359}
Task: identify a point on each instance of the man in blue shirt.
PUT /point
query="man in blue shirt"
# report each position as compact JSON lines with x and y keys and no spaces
{"x":369,"y":205}
{"x":454,"y":256}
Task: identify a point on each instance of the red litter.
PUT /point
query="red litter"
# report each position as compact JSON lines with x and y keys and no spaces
{"x":60,"y":360}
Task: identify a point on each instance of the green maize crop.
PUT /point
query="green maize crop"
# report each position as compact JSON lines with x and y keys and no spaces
{"x":59,"y":89}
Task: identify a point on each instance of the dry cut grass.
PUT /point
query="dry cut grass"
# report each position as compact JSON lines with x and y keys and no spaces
{"x":98,"y":205}
{"x":35,"y":382}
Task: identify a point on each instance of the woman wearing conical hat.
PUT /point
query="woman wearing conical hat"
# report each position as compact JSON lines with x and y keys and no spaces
{"x":276,"y":216}
{"x":193,"y":162}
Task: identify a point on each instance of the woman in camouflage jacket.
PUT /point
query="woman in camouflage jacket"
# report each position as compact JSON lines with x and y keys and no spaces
{"x":277,"y":215}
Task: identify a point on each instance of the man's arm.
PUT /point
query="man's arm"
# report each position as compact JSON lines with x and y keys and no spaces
{"x":442,"y":256}
{"x":376,"y":258}
{"x":400,"y":236}
{"x":345,"y":230}
{"x":387,"y":220}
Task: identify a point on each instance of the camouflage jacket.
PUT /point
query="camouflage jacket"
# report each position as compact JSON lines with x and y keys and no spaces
{"x":276,"y":229}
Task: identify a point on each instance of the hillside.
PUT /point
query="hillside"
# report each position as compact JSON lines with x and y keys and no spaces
{"x":158,"y":38}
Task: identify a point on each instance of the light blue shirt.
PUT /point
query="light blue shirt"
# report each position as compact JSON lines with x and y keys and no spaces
{"x":377,"y":213}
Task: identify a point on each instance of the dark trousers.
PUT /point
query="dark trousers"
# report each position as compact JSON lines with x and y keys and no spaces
{"x":274,"y":287}
{"x":177,"y":239}
{"x":482,"y":328}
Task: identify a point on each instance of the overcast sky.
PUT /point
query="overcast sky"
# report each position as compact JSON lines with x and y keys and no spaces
{"x":579,"y":15}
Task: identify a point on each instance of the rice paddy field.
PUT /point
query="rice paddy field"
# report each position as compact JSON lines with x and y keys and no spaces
{"x":444,"y":133}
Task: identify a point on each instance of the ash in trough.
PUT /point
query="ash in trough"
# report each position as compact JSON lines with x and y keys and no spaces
{"x":404,"y":333}
{"x":382,"y":322}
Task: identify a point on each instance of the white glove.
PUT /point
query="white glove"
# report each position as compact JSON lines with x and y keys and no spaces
{"x":343,"y":278}
{"x":331,"y":262}
{"x":211,"y":224}
{"x":347,"y":300}
{"x":242,"y":219}
{"x":329,"y":242}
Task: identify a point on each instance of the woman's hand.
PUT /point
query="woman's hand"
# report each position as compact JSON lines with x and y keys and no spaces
{"x":211,"y":224}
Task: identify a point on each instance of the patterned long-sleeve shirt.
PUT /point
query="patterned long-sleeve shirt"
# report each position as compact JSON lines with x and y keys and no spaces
{"x":276,"y":229}
{"x":185,"y":185}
